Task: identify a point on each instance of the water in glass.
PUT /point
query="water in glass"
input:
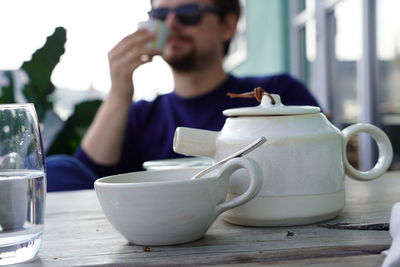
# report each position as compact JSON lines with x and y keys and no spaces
{"x":22,"y":184}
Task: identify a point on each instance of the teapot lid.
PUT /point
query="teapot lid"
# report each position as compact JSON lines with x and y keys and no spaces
{"x":271,"y":105}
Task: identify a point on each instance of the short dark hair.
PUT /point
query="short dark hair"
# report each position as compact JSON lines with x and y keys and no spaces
{"x":225,"y":7}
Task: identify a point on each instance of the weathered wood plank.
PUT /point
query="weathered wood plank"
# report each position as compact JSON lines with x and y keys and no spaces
{"x":77,"y":234}
{"x":369,"y":203}
{"x":357,"y":261}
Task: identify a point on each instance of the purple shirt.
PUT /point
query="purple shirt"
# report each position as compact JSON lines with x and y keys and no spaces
{"x":151,"y":125}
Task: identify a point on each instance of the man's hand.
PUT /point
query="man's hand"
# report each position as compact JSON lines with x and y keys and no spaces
{"x":126,"y":56}
{"x":104,"y":139}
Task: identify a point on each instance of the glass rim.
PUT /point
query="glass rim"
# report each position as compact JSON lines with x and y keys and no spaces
{"x":11,"y":106}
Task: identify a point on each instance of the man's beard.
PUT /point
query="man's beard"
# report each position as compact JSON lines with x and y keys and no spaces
{"x":185,"y":63}
{"x":191,"y":60}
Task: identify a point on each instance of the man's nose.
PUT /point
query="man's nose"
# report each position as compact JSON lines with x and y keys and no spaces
{"x":172,"y":20}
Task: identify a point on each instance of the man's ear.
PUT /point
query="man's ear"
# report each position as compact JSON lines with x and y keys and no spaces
{"x":229,"y":24}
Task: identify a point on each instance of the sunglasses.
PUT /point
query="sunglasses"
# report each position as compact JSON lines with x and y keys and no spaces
{"x":188,"y":15}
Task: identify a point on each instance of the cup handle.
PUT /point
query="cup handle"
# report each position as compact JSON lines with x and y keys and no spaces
{"x":256,"y":180}
{"x":384,"y":146}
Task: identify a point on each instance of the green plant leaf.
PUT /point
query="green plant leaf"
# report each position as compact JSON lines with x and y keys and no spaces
{"x":69,"y":138}
{"x":7,"y":92}
{"x":40,"y":68}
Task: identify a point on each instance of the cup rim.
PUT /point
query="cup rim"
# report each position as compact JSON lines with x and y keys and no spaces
{"x":102,"y":182}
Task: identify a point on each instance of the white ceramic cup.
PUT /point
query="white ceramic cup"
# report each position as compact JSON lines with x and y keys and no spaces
{"x":160,"y":29}
{"x":13,"y":204}
{"x":166,"y":207}
{"x":13,"y":195}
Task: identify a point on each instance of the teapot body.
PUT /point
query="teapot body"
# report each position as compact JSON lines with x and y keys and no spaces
{"x":302,"y":163}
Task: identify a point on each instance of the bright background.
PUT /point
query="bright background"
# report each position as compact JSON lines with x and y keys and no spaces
{"x":93,"y":28}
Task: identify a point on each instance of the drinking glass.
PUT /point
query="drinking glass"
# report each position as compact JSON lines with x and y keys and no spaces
{"x":22,"y":184}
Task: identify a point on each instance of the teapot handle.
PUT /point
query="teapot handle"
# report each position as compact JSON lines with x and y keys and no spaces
{"x":384,"y":146}
{"x":256,"y":180}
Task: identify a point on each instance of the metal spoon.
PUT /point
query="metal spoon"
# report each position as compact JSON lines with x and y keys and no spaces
{"x":237,"y":154}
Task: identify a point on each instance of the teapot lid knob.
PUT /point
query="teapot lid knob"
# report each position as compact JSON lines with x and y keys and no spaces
{"x":270,"y":104}
{"x":271,"y":100}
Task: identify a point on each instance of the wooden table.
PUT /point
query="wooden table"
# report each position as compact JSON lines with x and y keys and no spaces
{"x":78,"y":234}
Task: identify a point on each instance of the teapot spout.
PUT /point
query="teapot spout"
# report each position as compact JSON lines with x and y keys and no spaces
{"x":195,"y":142}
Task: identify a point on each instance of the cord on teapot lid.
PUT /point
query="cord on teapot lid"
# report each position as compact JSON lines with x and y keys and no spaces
{"x":257,"y":93}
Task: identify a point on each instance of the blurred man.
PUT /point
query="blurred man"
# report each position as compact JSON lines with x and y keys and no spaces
{"x":126,"y":134}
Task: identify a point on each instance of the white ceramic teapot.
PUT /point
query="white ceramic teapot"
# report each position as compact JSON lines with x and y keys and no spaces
{"x":304,"y":161}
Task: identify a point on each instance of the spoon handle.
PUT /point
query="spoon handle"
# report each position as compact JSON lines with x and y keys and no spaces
{"x":239,"y":153}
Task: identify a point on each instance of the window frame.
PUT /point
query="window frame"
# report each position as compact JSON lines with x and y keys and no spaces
{"x":324,"y":71}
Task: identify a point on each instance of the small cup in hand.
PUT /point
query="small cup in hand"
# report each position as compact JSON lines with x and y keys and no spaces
{"x":160,"y":29}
